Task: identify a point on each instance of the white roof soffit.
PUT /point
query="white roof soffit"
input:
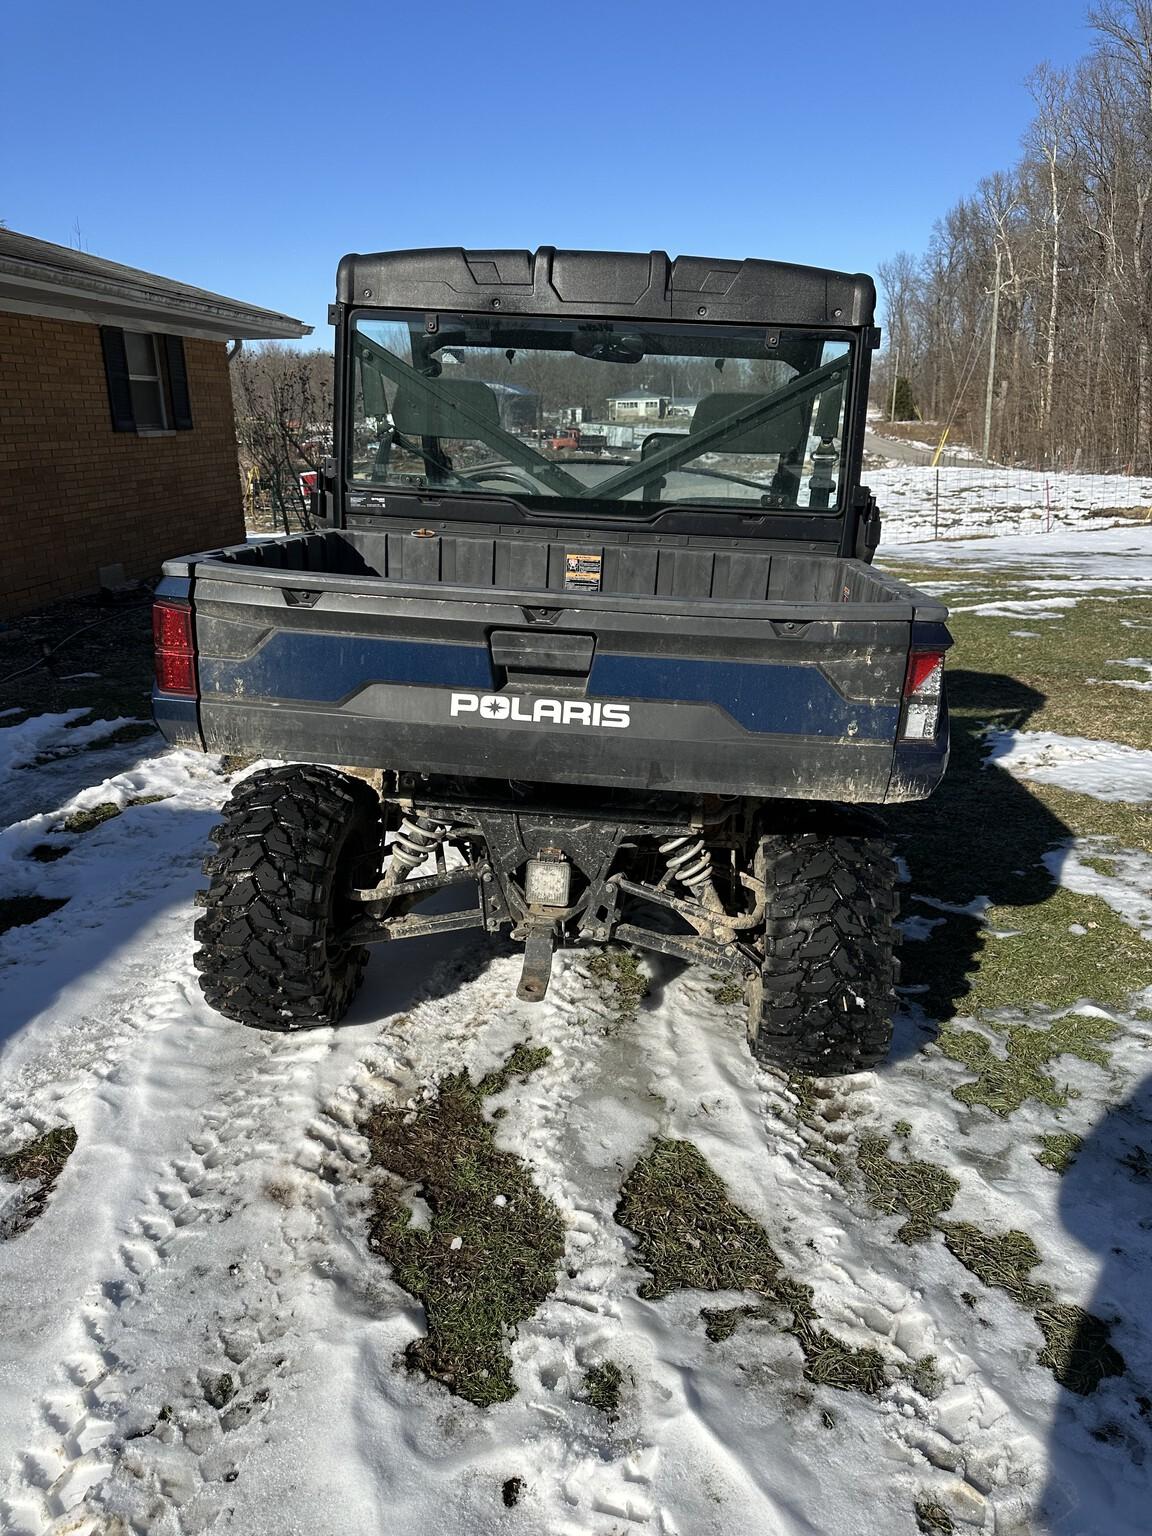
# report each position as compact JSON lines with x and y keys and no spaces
{"x":33,"y":288}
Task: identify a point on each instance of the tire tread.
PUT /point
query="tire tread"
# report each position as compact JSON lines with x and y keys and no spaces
{"x":263,"y":954}
{"x":825,"y":1001}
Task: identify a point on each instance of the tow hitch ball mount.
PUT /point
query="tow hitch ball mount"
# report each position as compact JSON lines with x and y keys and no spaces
{"x":547,"y":883}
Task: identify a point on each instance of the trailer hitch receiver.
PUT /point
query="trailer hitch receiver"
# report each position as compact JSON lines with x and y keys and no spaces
{"x":539,"y":943}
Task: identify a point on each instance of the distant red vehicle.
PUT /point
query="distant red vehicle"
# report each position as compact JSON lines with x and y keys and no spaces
{"x":571,"y":438}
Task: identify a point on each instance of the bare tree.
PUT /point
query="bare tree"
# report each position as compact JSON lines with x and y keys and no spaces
{"x":1060,"y":246}
{"x":283,"y":404}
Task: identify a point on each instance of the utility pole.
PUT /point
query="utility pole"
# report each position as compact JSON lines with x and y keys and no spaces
{"x":992,"y":355}
{"x":895,"y":381}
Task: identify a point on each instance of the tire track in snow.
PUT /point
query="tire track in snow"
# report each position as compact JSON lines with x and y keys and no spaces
{"x":865,"y":1280}
{"x":591,"y":1480}
{"x":749,"y":1125}
{"x":91,"y":1424}
{"x":579,"y":1478}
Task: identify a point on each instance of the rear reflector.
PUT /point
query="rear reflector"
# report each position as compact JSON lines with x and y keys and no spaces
{"x":923,"y":685}
{"x":172,"y":645}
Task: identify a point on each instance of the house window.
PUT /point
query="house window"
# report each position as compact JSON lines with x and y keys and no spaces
{"x":147,"y":381}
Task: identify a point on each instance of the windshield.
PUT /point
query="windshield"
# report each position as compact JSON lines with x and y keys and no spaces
{"x":600,"y":412}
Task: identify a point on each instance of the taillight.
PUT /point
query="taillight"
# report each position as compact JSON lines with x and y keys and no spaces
{"x":923,"y":688}
{"x":172,"y":644}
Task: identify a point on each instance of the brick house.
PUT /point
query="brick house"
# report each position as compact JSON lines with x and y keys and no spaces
{"x":117,"y":441}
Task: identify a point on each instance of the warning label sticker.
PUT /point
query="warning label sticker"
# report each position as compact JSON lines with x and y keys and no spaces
{"x":581,"y":571}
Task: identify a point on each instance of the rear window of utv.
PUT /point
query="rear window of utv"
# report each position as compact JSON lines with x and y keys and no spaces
{"x":600,"y":417}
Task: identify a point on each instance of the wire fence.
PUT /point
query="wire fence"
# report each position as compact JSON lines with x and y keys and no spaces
{"x":960,"y":500}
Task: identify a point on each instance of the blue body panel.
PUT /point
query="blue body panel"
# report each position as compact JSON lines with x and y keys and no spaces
{"x":178,"y":719}
{"x":324,"y":668}
{"x":763,"y":698}
{"x":768,"y":698}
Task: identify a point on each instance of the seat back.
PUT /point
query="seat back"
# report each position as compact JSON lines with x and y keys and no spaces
{"x":417,"y":414}
{"x":777,"y":434}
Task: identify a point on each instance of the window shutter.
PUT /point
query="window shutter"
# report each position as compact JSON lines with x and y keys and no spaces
{"x":116,"y":372}
{"x":178,"y":383}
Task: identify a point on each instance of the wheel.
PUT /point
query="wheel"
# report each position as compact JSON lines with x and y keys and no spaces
{"x":822,"y":1002}
{"x":292,"y":841}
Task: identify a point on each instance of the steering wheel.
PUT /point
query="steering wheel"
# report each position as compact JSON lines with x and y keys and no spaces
{"x":517,"y":476}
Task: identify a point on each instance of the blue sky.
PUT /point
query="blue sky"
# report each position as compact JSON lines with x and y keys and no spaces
{"x":246,"y":147}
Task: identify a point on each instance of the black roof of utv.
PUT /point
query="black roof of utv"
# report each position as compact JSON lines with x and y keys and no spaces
{"x":618,"y":284}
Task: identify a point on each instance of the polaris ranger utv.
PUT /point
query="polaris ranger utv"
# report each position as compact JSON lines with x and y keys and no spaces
{"x":639,"y":694}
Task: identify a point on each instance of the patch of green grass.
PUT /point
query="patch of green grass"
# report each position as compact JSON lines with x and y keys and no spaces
{"x":1125,"y":824}
{"x":831,"y":1362}
{"x":1069,"y":666}
{"x":692,"y":1236}
{"x":1054,"y":967}
{"x":1005,"y":1082}
{"x":19,"y":911}
{"x":728,"y":992}
{"x":985,"y":833}
{"x":95,"y":815}
{"x":1059,"y":1150}
{"x":1076,"y":1344}
{"x":807,"y":1097}
{"x":926,"y":1378}
{"x":602,"y":1388}
{"x":40,"y":1163}
{"x":1039,"y":962}
{"x":523,"y":1061}
{"x":721,"y":1323}
{"x":490,"y":1254}
{"x":922,"y":1189}
{"x":621,"y":980}
{"x":91,"y":816}
{"x":932,"y":1519}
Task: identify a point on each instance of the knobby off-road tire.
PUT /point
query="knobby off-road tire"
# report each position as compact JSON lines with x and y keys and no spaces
{"x":291,"y":843}
{"x":822,"y":1004}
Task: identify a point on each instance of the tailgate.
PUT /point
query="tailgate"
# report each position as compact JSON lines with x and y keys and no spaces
{"x":721,"y":697}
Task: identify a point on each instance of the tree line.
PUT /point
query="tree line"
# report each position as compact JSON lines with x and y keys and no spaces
{"x":1026,"y":326}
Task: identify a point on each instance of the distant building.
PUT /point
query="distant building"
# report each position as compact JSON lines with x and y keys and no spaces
{"x":117,"y":438}
{"x":641,"y":405}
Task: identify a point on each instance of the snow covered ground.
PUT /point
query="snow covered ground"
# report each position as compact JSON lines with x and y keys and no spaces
{"x":197,"y":1337}
{"x":960,"y":501}
{"x":1101,"y":768}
